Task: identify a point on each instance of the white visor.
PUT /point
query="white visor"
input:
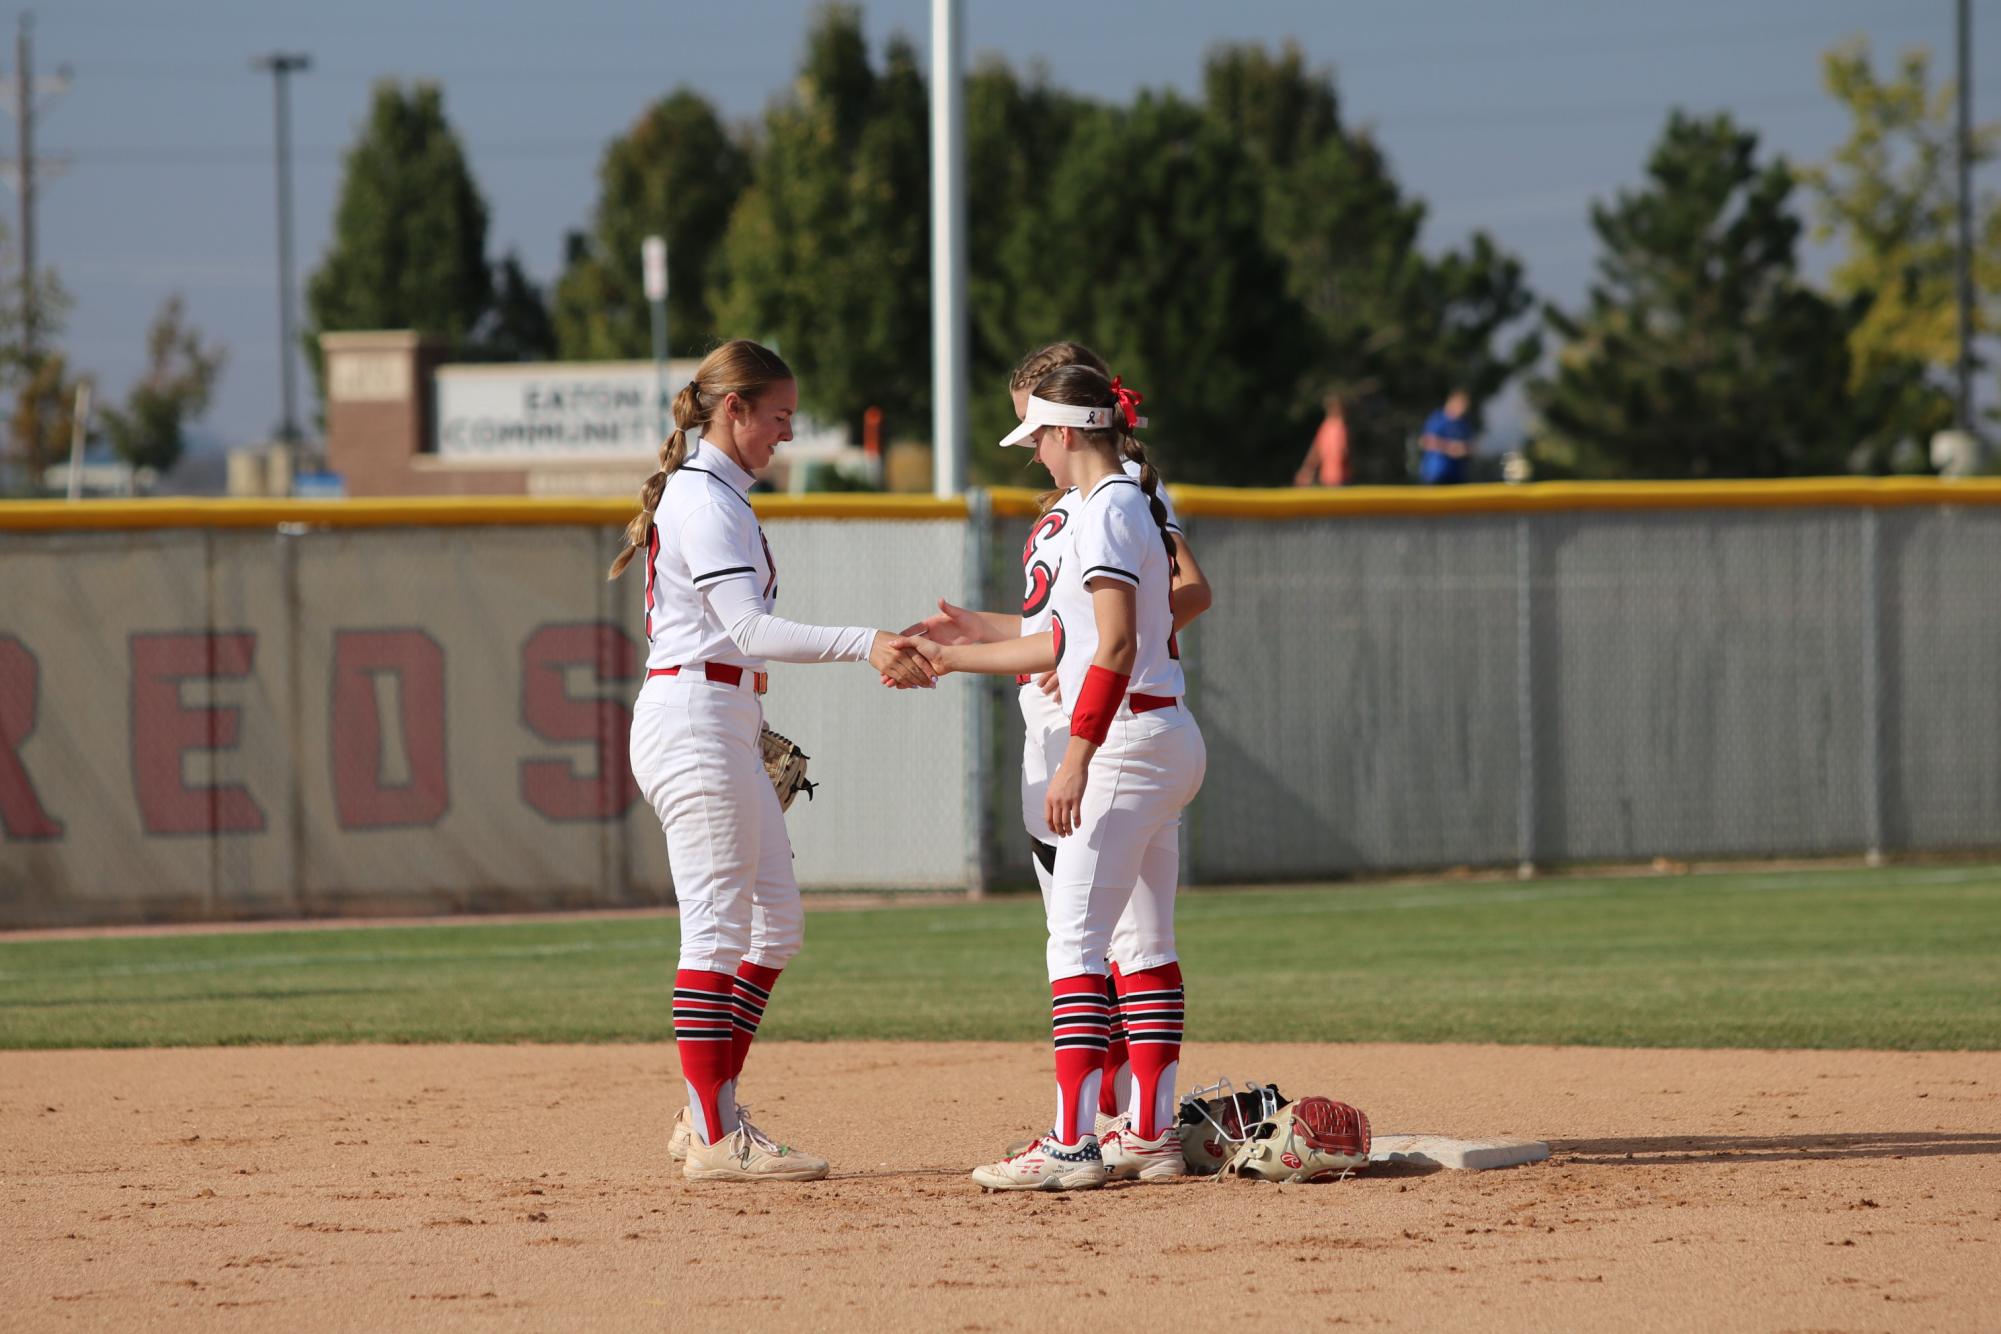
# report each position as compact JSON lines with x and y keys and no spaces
{"x":1041,"y":412}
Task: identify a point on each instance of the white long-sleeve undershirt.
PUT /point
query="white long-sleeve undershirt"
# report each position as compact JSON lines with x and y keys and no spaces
{"x":759,"y":634}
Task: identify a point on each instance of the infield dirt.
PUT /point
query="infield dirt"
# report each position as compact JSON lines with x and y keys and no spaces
{"x":528,"y":1188}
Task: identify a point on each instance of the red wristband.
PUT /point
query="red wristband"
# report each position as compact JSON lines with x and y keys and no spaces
{"x":1097,"y":701}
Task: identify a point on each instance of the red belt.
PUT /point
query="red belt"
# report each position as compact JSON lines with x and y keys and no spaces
{"x":1140,"y":703}
{"x":728,"y":675}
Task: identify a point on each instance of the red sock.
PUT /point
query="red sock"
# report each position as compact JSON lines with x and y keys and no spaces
{"x":753,"y":992}
{"x":1151,"y":1003}
{"x":1115,"y":1053}
{"x":702,"y":1038}
{"x":1080,"y":1017}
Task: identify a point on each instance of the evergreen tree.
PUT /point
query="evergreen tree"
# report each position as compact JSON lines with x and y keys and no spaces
{"x":181,"y":371}
{"x":1393,"y":330}
{"x":1889,"y":197}
{"x":1016,"y":133}
{"x":517,"y":326}
{"x":676,"y":174}
{"x":829,"y":253}
{"x":1275,"y":106}
{"x":409,"y":243}
{"x":1700,"y":352}
{"x":1148,"y":244}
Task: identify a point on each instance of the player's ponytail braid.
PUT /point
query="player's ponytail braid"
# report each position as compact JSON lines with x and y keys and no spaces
{"x":738,"y":367}
{"x":1131,"y":449}
{"x":1049,"y":357}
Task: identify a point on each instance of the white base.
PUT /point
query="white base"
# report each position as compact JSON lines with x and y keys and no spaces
{"x":1466,"y":1155}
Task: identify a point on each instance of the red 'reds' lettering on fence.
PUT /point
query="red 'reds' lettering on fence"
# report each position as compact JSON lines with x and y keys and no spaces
{"x":21,"y":812}
{"x":416,"y":791}
{"x":554,"y":786}
{"x":164,"y":729}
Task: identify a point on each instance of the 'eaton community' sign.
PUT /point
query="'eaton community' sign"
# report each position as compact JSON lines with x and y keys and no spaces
{"x":576,"y":409}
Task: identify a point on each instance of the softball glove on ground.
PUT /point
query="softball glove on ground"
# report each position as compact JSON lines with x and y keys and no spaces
{"x":785,"y":766}
{"x":1314,"y":1139}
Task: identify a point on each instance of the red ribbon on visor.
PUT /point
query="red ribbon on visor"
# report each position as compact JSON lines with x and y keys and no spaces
{"x":1129,"y":401}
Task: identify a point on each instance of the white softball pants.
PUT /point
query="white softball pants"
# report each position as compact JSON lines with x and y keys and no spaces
{"x":695,"y":755}
{"x":1045,"y":736}
{"x":1112,"y":890}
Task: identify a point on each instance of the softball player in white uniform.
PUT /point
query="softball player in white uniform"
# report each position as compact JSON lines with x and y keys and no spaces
{"x":1046,"y":723}
{"x":711,"y":585}
{"x":1133,"y":759}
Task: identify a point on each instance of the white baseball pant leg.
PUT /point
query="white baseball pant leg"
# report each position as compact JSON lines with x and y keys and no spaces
{"x":1149,"y":768}
{"x":1045,"y":735}
{"x":695,"y":756}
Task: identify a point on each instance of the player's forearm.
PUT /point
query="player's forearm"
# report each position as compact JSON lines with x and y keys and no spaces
{"x":1077,"y":755}
{"x":1189,"y":600}
{"x":996,"y":625}
{"x":1189,"y":595}
{"x":1116,"y":655}
{"x":776,"y":639}
{"x":758,"y":634}
{"x":1016,"y":656}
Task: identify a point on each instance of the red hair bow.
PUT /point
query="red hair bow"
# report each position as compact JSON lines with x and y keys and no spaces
{"x":1129,"y":401}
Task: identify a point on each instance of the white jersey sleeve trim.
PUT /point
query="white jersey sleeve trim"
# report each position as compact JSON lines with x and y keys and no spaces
{"x":1110,"y":572}
{"x":717,"y":576}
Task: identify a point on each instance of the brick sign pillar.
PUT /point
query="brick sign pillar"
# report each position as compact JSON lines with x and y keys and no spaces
{"x":378,"y":407}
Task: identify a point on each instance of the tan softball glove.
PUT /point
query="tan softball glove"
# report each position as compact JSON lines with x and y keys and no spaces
{"x":1314,"y":1139}
{"x":785,"y":766}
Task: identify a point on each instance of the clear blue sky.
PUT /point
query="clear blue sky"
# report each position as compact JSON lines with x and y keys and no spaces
{"x":1509,"y":117}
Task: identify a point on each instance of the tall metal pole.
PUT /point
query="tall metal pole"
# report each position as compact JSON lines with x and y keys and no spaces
{"x":653,"y":273}
{"x":1965,"y":33}
{"x":24,"y":122}
{"x":20,"y":92}
{"x":950,"y":382}
{"x":282,"y":65}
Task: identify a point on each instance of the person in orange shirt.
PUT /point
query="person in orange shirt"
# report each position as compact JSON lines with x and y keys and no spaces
{"x":1326,"y":461}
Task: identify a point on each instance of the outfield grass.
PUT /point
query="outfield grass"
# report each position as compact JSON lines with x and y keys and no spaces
{"x":1904,"y":958}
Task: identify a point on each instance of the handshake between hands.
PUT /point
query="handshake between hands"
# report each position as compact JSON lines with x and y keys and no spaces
{"x":919,"y":654}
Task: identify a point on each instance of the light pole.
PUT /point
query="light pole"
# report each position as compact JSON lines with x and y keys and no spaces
{"x":1965,"y":34}
{"x":653,"y":267}
{"x":949,"y":375}
{"x":282,"y":65}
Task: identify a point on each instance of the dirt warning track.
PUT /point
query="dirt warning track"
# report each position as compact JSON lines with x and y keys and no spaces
{"x":527,"y":1188}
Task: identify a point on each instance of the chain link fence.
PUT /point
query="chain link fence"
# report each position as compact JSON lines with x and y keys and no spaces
{"x":214,"y":722}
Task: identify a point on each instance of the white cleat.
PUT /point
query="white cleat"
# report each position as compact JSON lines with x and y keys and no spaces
{"x":1130,"y":1158}
{"x":748,"y":1154}
{"x":1046,"y":1164}
{"x":1107,"y":1123}
{"x":677,"y":1143}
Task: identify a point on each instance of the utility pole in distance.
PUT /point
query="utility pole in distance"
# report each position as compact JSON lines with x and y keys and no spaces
{"x":1965,"y":34}
{"x":22,"y":90}
{"x":282,"y":65}
{"x":653,"y":271}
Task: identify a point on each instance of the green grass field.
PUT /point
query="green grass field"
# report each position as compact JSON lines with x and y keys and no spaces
{"x":1905,"y":958}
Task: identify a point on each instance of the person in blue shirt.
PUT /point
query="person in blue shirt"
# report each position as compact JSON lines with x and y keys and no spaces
{"x":1447,"y":442}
